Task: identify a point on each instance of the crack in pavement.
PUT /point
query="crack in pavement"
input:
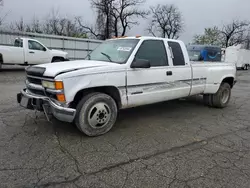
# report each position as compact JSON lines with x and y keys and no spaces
{"x":202,"y":142}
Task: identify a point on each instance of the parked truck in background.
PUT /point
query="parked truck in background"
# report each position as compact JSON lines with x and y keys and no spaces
{"x":204,"y":53}
{"x":28,"y":51}
{"x":123,"y":73}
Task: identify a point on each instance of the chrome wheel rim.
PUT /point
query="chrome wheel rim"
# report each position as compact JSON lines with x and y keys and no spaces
{"x":99,"y":115}
{"x":225,"y":96}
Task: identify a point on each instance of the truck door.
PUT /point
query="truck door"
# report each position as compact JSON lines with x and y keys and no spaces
{"x":37,"y":53}
{"x":181,"y":71}
{"x":150,"y":85}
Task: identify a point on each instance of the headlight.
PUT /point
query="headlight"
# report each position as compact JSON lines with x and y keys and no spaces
{"x":48,"y":84}
{"x":57,"y":85}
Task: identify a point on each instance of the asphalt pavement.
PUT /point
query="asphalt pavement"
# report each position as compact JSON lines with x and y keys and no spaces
{"x":173,"y":144}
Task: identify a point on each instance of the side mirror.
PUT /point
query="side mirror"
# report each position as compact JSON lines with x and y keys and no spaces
{"x":140,"y":63}
{"x":44,"y":49}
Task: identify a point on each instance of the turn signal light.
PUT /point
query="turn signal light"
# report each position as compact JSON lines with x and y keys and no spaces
{"x":61,"y":97}
{"x":58,"y":85}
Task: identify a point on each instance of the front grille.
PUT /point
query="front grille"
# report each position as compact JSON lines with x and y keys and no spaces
{"x":42,"y":93}
{"x":37,"y":92}
{"x":34,"y":80}
{"x":34,"y":86}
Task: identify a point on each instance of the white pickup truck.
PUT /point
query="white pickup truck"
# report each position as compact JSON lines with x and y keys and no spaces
{"x":123,"y":73}
{"x":29,"y":52}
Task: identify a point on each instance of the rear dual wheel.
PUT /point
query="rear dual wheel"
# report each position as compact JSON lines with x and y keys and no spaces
{"x":219,"y":99}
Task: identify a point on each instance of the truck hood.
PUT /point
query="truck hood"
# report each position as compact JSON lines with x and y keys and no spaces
{"x":54,"y":69}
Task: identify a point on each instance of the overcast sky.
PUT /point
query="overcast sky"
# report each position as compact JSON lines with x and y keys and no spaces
{"x":197,"y":13}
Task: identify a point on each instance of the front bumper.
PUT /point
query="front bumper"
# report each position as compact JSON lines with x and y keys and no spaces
{"x":42,"y":103}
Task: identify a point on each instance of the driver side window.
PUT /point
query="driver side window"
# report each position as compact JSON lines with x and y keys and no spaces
{"x":33,"y":45}
{"x":154,"y":51}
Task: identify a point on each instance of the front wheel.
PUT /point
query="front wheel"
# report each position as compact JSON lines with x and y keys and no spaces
{"x":96,"y":114}
{"x":57,"y":60}
{"x":246,"y":67}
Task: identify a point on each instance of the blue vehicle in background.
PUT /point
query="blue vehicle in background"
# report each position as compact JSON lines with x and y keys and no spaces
{"x":204,"y":53}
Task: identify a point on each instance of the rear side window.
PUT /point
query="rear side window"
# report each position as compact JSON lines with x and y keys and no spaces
{"x":154,"y":51}
{"x":18,"y":43}
{"x":178,"y":59}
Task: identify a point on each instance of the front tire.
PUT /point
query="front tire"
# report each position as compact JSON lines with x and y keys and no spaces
{"x":96,"y":114}
{"x":246,"y":67}
{"x":57,"y":60}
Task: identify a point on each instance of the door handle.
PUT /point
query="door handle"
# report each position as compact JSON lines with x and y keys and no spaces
{"x":32,"y":52}
{"x":169,"y":73}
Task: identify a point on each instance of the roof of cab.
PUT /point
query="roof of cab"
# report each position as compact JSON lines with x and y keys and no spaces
{"x":146,"y":37}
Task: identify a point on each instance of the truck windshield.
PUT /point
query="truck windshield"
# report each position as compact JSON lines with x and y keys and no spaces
{"x":116,"y":51}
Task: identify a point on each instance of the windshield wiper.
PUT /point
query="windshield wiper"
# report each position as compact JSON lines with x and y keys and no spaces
{"x":106,"y":55}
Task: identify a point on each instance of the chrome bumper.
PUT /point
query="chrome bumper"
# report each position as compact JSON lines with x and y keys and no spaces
{"x":59,"y":112}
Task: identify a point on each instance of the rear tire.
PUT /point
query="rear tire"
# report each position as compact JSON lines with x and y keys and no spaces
{"x":96,"y":114}
{"x":222,"y":97}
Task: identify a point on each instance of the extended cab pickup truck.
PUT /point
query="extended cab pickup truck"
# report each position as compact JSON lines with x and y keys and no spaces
{"x":123,"y":73}
{"x":29,"y":52}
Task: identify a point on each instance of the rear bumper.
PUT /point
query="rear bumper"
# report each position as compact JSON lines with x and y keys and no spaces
{"x":43,"y":103}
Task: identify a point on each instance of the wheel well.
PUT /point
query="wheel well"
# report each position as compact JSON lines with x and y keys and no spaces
{"x":57,"y":57}
{"x":109,"y":90}
{"x":229,"y":80}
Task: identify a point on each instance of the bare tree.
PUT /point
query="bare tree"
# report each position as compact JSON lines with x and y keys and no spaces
{"x":93,"y":32}
{"x":234,"y":32}
{"x":104,"y":17}
{"x":2,"y":18}
{"x":114,"y":17}
{"x":3,"y":15}
{"x":52,"y":24}
{"x":167,"y":21}
{"x":125,"y":13}
{"x":19,"y":25}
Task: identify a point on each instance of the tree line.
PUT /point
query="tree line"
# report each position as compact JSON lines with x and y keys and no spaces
{"x":116,"y":17}
{"x":233,"y":33}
